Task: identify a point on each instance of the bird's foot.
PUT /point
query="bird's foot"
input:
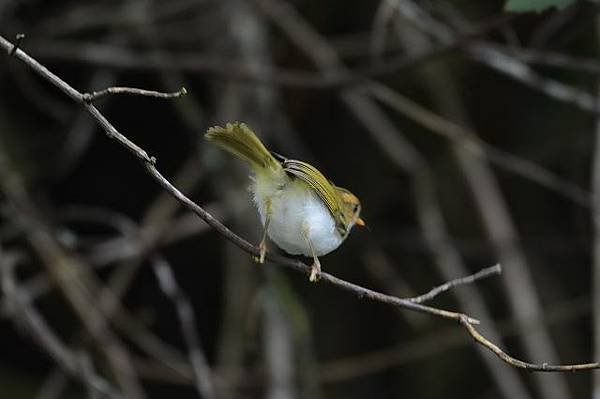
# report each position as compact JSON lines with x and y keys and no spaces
{"x":315,"y":271}
{"x":262,"y":247}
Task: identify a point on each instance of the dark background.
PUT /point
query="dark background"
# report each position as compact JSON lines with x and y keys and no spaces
{"x":469,"y":134}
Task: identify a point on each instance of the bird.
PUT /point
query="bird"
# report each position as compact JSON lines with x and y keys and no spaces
{"x":301,"y":211}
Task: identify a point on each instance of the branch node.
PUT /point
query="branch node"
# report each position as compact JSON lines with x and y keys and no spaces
{"x":18,"y":39}
{"x":87,"y":98}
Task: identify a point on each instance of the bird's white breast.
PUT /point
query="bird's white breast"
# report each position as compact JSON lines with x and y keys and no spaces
{"x":296,"y":210}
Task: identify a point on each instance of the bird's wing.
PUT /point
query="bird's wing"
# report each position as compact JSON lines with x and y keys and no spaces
{"x":319,"y":183}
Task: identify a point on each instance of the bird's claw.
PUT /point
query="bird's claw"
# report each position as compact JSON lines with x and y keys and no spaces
{"x":262,"y":247}
{"x":315,"y":272}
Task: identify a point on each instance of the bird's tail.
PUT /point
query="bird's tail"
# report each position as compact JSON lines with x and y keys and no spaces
{"x":238,"y":139}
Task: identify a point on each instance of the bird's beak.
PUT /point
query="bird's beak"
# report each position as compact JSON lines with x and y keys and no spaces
{"x":360,"y":222}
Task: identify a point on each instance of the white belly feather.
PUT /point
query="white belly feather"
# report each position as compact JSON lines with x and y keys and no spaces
{"x":296,"y":210}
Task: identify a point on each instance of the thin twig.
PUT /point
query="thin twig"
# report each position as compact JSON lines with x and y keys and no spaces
{"x":362,"y":292}
{"x":484,"y":273}
{"x":97,"y":95}
{"x":480,"y":339}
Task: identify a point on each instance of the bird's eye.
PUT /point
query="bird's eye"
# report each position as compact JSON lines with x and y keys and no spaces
{"x":355,"y":208}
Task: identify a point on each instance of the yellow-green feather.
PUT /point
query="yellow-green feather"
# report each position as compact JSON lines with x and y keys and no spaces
{"x":238,"y":139}
{"x":319,"y":183}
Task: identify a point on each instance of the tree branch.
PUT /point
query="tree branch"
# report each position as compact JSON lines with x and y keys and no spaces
{"x":97,"y":95}
{"x":481,"y":340}
{"x":483,"y":273}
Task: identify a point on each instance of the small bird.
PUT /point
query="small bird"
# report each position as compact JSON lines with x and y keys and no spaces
{"x":301,"y":211}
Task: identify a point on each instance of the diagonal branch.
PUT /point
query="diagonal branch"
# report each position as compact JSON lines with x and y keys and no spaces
{"x":481,"y":340}
{"x":483,"y":273}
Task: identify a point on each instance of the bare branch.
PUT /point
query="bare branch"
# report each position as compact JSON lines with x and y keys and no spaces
{"x":97,"y":95}
{"x":483,"y":273}
{"x":480,"y":339}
